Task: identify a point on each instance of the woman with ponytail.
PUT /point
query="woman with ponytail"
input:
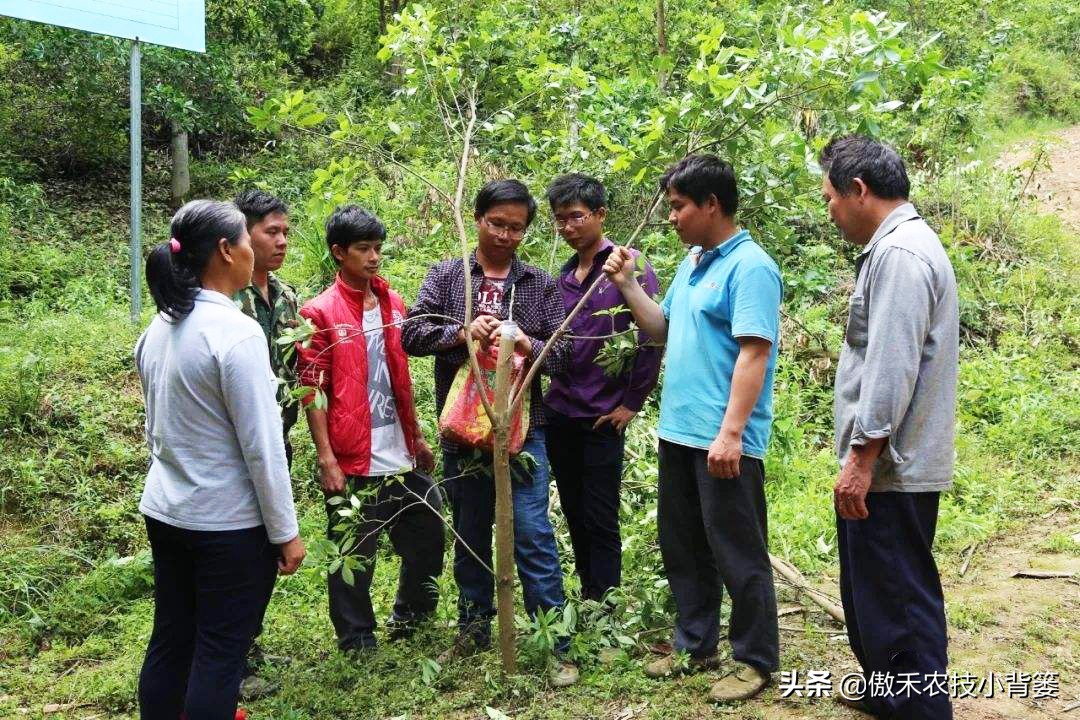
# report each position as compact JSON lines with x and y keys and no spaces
{"x":218,"y":503}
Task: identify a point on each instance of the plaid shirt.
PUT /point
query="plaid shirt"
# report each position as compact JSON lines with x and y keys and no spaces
{"x":538,"y":311}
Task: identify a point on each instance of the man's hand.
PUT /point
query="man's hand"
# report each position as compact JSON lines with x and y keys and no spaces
{"x":292,"y":554}
{"x":619,"y":267}
{"x":484,"y":328}
{"x":522,"y":342}
{"x":425,"y":459}
{"x":619,"y":418}
{"x":851,"y":488}
{"x":331,"y":478}
{"x":725,"y":455}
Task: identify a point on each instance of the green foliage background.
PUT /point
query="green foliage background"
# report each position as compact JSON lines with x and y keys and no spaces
{"x":308,"y":100}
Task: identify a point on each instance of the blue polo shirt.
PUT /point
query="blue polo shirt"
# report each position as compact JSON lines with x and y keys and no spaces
{"x":732,"y":291}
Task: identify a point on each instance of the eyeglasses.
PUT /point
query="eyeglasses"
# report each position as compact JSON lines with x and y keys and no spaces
{"x":500,"y":230}
{"x":576,"y":220}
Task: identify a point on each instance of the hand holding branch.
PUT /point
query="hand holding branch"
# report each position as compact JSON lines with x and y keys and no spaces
{"x":619,"y":267}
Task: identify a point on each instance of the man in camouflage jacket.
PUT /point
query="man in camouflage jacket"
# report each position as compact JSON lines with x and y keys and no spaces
{"x":273,"y":304}
{"x":268,"y":300}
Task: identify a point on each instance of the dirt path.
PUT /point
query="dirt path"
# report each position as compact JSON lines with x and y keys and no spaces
{"x":1056,"y":183}
{"x":998,"y":624}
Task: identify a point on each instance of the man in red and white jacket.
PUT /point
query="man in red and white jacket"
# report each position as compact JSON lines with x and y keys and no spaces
{"x":368,"y":441}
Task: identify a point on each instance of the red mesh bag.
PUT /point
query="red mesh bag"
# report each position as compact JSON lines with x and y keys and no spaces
{"x":464,"y":420}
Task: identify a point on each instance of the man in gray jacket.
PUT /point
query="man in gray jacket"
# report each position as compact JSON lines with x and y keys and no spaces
{"x":895,"y":409}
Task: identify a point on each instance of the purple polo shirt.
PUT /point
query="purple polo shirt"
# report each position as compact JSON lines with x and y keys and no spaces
{"x":583,"y":390}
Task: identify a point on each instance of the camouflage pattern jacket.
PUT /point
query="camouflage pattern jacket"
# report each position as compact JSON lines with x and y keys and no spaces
{"x":280,"y":314}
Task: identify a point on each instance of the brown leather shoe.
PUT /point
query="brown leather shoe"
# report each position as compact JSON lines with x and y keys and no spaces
{"x":743,"y":683}
{"x":671,"y":664}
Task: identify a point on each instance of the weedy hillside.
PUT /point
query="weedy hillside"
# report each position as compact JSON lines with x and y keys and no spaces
{"x":331,"y":101}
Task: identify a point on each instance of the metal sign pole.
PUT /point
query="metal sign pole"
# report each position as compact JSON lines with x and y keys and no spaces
{"x":136,"y":182}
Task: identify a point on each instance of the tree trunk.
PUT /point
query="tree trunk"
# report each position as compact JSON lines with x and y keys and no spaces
{"x":180,"y":184}
{"x":504,"y":508}
{"x":661,"y":45}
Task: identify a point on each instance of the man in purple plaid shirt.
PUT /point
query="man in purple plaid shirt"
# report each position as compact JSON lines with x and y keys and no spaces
{"x":503,"y":211}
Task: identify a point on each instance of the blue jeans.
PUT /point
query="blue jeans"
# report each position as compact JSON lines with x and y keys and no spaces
{"x":472,"y":502}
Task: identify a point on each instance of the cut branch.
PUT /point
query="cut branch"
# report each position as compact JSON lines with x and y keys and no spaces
{"x":791,"y":574}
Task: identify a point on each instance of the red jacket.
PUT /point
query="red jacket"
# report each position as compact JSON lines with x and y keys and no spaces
{"x":336,"y":361}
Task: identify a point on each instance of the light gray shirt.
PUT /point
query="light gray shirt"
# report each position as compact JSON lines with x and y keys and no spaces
{"x":213,"y":424}
{"x":897,"y":373}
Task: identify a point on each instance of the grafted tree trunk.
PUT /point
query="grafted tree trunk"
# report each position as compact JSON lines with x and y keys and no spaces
{"x":180,"y":184}
{"x":504,"y":507}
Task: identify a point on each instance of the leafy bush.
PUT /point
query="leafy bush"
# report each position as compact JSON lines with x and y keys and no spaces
{"x":1035,"y":81}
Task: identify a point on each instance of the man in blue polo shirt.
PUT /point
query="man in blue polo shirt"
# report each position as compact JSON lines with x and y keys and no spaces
{"x":720,"y":320}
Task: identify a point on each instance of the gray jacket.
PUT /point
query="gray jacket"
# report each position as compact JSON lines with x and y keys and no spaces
{"x":212,"y":423}
{"x":898,"y":368}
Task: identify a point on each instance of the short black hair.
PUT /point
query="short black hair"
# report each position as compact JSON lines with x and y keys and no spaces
{"x":875,"y":163}
{"x":349,"y":224}
{"x":497,"y":192}
{"x":576,"y":188}
{"x":257,"y":204}
{"x":699,"y":176}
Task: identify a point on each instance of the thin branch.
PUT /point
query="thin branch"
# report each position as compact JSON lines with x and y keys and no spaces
{"x":354,"y":331}
{"x":822,"y":341}
{"x":459,"y":224}
{"x":420,"y":500}
{"x":384,"y":154}
{"x":754,"y":116}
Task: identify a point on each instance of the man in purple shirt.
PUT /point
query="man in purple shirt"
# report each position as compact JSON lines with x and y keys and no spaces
{"x":587,"y":409}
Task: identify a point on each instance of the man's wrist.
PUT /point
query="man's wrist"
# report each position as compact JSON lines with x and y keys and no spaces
{"x":729,"y":433}
{"x":864,"y":456}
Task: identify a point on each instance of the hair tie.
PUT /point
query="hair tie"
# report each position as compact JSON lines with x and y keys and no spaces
{"x":174,"y":245}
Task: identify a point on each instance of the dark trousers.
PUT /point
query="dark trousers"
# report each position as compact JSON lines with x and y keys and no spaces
{"x":713,"y":535}
{"x":587,"y":465}
{"x":416,"y":532}
{"x":210,"y":590}
{"x":892,"y":597}
{"x":472,"y":499}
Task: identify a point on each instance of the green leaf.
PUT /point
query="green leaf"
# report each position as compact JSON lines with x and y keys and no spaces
{"x":864,"y":79}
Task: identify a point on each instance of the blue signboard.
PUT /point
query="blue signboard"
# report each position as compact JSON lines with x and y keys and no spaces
{"x":175,"y":23}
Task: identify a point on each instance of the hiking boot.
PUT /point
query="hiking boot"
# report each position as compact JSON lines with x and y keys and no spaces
{"x":743,"y":683}
{"x":671,"y":664}
{"x":563,"y":674}
{"x":254,"y":687}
